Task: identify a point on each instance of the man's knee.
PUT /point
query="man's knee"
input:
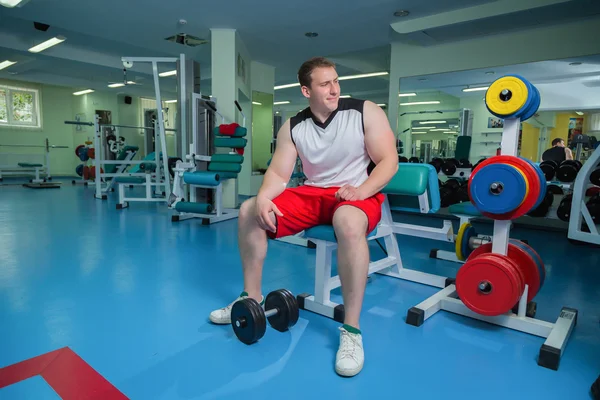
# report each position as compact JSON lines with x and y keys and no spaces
{"x":247,"y":212}
{"x":350,"y":223}
{"x":247,"y":209}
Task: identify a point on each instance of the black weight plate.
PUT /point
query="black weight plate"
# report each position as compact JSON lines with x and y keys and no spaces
{"x":477,"y":163}
{"x":595,"y":177}
{"x":402,"y":159}
{"x":566,"y":172}
{"x":564,"y":209}
{"x":449,"y":166}
{"x":248,"y":320}
{"x":464,"y":163}
{"x":452,"y":184}
{"x":413,"y":160}
{"x":287,"y":307}
{"x":543,"y":208}
{"x":555,"y":189}
{"x":437,"y":163}
{"x":549,"y":169}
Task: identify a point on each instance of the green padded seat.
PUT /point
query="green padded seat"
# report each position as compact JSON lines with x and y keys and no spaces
{"x":464,"y":208}
{"x":130,"y":179}
{"x":326,"y":232}
{"x":28,"y":165}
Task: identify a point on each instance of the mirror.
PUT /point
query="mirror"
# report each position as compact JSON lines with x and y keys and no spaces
{"x":262,"y":130}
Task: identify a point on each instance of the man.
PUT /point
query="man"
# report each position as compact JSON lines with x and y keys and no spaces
{"x":337,"y":141}
{"x":558,"y":152}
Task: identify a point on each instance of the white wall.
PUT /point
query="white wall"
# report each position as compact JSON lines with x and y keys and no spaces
{"x":568,"y":96}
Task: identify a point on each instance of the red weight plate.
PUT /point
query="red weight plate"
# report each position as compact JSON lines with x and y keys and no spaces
{"x":503,"y":282}
{"x":526,"y":266}
{"x":532,"y":178}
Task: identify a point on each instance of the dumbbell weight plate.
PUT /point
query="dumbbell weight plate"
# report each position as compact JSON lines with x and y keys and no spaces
{"x":286,"y":304}
{"x":248,"y":320}
{"x":595,"y":177}
{"x":549,"y":169}
{"x":563,"y":212}
{"x":567,"y":171}
{"x":449,"y":166}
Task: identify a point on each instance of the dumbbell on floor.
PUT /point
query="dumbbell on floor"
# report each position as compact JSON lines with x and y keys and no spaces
{"x":248,"y":318}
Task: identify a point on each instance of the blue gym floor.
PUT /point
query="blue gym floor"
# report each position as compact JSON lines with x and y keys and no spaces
{"x":130,"y":291}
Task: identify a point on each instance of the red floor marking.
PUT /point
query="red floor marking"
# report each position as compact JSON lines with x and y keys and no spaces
{"x":67,"y":373}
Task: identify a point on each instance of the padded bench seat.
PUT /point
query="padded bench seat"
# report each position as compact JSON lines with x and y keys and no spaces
{"x":326,"y":232}
{"x":464,"y":208}
{"x":130,"y":179}
{"x":28,"y":165}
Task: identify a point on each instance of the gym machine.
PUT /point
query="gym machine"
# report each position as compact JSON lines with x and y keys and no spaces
{"x":499,"y":280}
{"x":29,"y":163}
{"x":204,"y":168}
{"x":585,"y":216}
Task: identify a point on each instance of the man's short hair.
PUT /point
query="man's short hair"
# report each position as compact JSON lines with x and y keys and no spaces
{"x":308,"y":66}
{"x":556,"y":141}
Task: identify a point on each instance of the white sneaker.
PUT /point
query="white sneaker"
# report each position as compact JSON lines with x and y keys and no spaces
{"x":350,"y":357}
{"x":223,"y":315}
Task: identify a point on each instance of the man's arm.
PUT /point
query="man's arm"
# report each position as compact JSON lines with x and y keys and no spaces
{"x":282,"y":165}
{"x":381,"y":146}
{"x":568,"y":153}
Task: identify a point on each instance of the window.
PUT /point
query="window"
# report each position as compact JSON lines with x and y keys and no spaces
{"x":19,"y":107}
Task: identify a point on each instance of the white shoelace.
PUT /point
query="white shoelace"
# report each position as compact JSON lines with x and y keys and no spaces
{"x":349,"y":345}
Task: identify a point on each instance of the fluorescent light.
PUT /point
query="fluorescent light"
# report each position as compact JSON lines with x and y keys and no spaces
{"x":10,"y":3}
{"x":423,"y":127}
{"x":277,"y":103}
{"x":341,"y":78}
{"x":48,"y":43}
{"x":86,"y":91}
{"x":432,"y":122}
{"x":114,"y":85}
{"x":286,"y":86}
{"x":168,"y":73}
{"x":440,"y":130}
{"x":359,"y":76}
{"x":346,"y":96}
{"x":257,"y":103}
{"x":475,"y":89}
{"x":576,"y":112}
{"x":417,"y":103}
{"x":170,"y":101}
{"x":6,"y":64}
{"x":381,"y":104}
{"x":406,"y":94}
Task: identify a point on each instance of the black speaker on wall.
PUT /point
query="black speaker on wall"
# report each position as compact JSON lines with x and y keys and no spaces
{"x":127,"y":99}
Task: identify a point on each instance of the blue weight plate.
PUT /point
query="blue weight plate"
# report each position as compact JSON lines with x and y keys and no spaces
{"x":511,"y":196}
{"x":529,"y":100}
{"x":541,"y":269}
{"x":533,"y":107}
{"x":543,"y":185}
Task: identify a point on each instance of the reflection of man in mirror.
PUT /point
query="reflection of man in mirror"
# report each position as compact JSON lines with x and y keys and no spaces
{"x":558,"y":152}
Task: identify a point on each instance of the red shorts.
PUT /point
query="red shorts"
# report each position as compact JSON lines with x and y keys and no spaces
{"x":306,"y":206}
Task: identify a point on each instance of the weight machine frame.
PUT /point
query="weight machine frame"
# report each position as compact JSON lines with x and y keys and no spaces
{"x":579,"y":210}
{"x":17,"y":170}
{"x":179,"y":192}
{"x":320,"y":302}
{"x":557,"y":334}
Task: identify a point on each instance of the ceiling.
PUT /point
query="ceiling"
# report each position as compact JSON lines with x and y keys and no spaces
{"x":356,"y":35}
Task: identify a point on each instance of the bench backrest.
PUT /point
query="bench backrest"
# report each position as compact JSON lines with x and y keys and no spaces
{"x":414,"y":188}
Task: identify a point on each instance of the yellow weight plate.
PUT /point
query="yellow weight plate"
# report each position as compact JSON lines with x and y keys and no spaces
{"x":519,"y":170}
{"x":459,"y":238}
{"x":498,"y":104}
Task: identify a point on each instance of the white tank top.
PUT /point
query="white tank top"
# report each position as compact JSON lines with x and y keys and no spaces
{"x":332,"y":153}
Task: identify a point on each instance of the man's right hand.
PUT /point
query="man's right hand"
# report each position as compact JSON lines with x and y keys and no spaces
{"x":264,"y":206}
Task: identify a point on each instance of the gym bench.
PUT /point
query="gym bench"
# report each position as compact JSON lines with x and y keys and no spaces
{"x":416,"y":186}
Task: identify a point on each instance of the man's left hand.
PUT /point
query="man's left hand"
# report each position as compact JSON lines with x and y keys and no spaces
{"x":349,"y":193}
